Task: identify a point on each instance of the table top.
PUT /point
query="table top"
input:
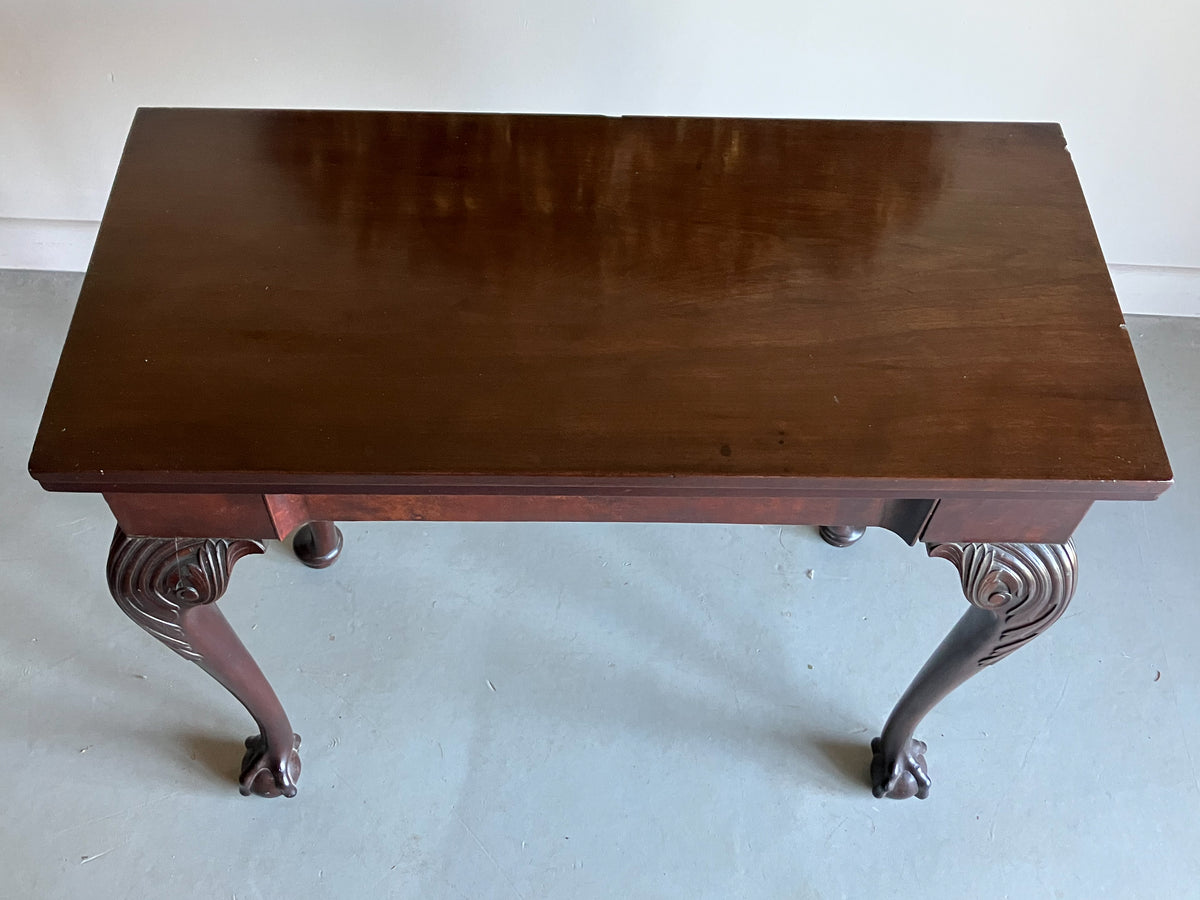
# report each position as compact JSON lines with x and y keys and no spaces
{"x":314,"y":301}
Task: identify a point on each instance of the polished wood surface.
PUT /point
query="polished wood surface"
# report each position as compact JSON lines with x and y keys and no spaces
{"x":290,"y":302}
{"x":294,"y":318}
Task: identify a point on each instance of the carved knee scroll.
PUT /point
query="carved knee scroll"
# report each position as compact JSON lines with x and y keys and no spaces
{"x":1028,"y":586}
{"x":1016,"y":591}
{"x":169,"y":586}
{"x":156,"y":581}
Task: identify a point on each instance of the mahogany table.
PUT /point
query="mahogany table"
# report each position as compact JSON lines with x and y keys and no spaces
{"x":292,"y":318}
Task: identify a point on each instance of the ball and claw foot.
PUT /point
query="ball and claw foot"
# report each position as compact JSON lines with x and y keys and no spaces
{"x":318,"y":544}
{"x":267,"y":777}
{"x":842,"y":535}
{"x":900,"y":778}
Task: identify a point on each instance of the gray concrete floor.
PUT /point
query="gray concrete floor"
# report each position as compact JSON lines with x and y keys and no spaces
{"x":597,"y":711}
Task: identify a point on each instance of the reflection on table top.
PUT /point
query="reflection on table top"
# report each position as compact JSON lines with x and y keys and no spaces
{"x":297,"y":297}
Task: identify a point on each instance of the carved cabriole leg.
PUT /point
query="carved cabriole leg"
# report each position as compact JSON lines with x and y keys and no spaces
{"x":170,"y":587}
{"x":1016,"y":592}
{"x":842,"y":535}
{"x":317,"y":544}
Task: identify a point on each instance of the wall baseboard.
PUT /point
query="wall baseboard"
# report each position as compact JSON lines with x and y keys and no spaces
{"x":1157,"y":290}
{"x":63,"y":245}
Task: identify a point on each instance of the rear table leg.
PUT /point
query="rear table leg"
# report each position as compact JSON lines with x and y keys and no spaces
{"x":318,"y":544}
{"x":1016,"y":592}
{"x":169,"y":586}
{"x":842,"y":535}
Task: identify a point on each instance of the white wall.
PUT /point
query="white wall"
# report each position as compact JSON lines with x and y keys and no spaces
{"x":1121,"y":77}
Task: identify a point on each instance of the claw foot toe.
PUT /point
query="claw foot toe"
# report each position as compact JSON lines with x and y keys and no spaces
{"x":899,"y":775}
{"x":265,"y":772}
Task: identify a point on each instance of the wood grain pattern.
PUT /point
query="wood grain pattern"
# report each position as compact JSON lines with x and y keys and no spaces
{"x":293,"y":318}
{"x":293,"y":301}
{"x":278,"y":515}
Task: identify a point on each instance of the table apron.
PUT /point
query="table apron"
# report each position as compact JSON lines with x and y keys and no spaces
{"x":245,"y":515}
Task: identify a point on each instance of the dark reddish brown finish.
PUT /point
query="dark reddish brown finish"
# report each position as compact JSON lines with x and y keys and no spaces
{"x":905,"y":517}
{"x":989,"y":519}
{"x":318,"y":544}
{"x":301,"y":317}
{"x":288,"y":512}
{"x":842,"y":535}
{"x":278,"y":515}
{"x":194,"y":515}
{"x":170,"y":587}
{"x":1016,"y":592}
{"x":297,"y":301}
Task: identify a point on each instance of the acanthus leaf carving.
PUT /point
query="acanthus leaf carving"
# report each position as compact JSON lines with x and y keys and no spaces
{"x":156,"y":581}
{"x":1027,"y":585}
